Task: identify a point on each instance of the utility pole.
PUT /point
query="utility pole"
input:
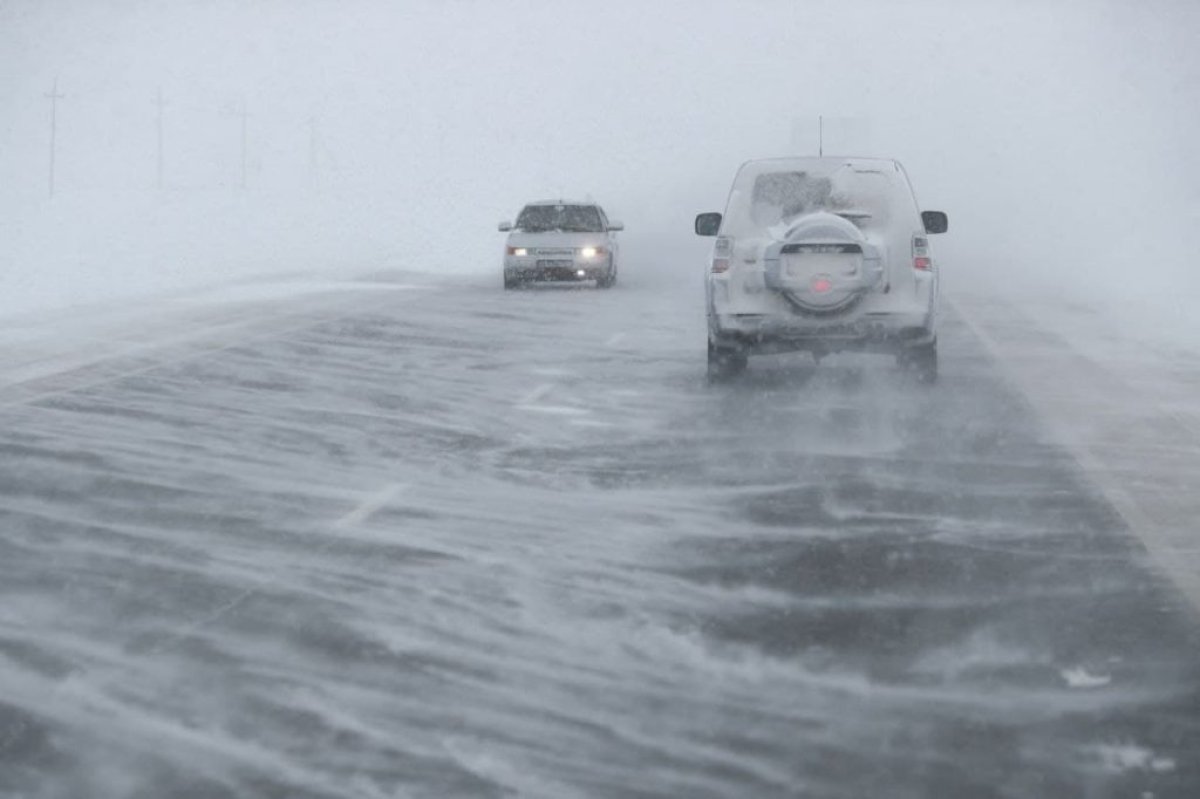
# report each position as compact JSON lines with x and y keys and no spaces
{"x":241,"y":112}
{"x":54,"y":97}
{"x":820,"y":136}
{"x":160,"y":104}
{"x":313,"y":160}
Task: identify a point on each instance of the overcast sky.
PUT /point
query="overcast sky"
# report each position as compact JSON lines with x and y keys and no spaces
{"x":1047,"y":130}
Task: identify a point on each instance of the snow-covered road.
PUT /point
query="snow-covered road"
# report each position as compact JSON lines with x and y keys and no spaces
{"x":425,"y":538}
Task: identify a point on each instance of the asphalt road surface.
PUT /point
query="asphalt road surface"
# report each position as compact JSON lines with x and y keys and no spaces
{"x":452,"y":541}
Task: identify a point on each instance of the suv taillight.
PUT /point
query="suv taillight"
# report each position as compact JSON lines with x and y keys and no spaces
{"x":921,"y":260}
{"x":722,"y":249}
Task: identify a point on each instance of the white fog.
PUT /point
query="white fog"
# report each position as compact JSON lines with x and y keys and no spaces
{"x":398,"y":133}
{"x":296,"y":499}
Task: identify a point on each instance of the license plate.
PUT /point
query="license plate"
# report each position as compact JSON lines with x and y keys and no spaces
{"x":805,"y":267}
{"x":555,"y":264}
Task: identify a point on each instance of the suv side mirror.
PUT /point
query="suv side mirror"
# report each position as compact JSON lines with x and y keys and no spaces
{"x":505,"y":227}
{"x":935,"y":221}
{"x":615,"y":226}
{"x":708,"y":224}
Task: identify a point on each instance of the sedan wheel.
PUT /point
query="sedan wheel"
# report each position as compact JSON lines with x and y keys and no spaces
{"x":609,"y":280}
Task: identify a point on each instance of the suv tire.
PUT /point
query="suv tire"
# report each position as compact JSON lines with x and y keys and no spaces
{"x":725,"y":363}
{"x":921,"y":361}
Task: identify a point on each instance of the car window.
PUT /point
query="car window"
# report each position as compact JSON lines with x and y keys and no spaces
{"x":566,"y":218}
{"x":765,"y":195}
{"x":779,"y":196}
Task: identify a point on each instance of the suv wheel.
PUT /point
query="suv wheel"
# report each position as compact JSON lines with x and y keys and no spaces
{"x":725,"y":363}
{"x":511,"y":282}
{"x":921,"y":361}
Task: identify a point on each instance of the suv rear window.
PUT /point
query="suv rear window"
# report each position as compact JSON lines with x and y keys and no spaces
{"x":862,"y":195}
{"x":873,"y":195}
{"x":571,"y":218}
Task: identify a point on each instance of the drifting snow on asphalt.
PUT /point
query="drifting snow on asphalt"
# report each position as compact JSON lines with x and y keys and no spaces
{"x":466,"y":542}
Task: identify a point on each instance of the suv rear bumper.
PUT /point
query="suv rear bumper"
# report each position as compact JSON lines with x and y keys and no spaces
{"x":878,"y":332}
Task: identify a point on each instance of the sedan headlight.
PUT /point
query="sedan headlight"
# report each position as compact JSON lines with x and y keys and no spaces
{"x":520,"y":252}
{"x":591,"y":252}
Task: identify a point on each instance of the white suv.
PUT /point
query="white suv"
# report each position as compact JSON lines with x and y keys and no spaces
{"x":561,"y":240}
{"x":822,"y":255}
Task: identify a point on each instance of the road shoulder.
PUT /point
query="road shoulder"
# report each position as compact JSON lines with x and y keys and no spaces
{"x":1131,"y":423}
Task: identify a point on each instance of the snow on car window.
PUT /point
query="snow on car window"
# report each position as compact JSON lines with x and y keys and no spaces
{"x":782,"y":195}
{"x":570,"y":218}
{"x":765,"y":195}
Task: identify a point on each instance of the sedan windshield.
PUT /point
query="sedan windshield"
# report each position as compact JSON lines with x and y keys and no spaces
{"x":572,"y":218}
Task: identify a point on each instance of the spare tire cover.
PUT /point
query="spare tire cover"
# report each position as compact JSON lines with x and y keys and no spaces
{"x":821,"y":262}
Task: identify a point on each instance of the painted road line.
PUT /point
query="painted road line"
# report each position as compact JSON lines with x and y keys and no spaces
{"x":537,"y":394}
{"x":371,"y":505}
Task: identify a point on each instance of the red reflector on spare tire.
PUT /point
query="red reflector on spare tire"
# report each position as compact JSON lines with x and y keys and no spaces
{"x":821,"y":284}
